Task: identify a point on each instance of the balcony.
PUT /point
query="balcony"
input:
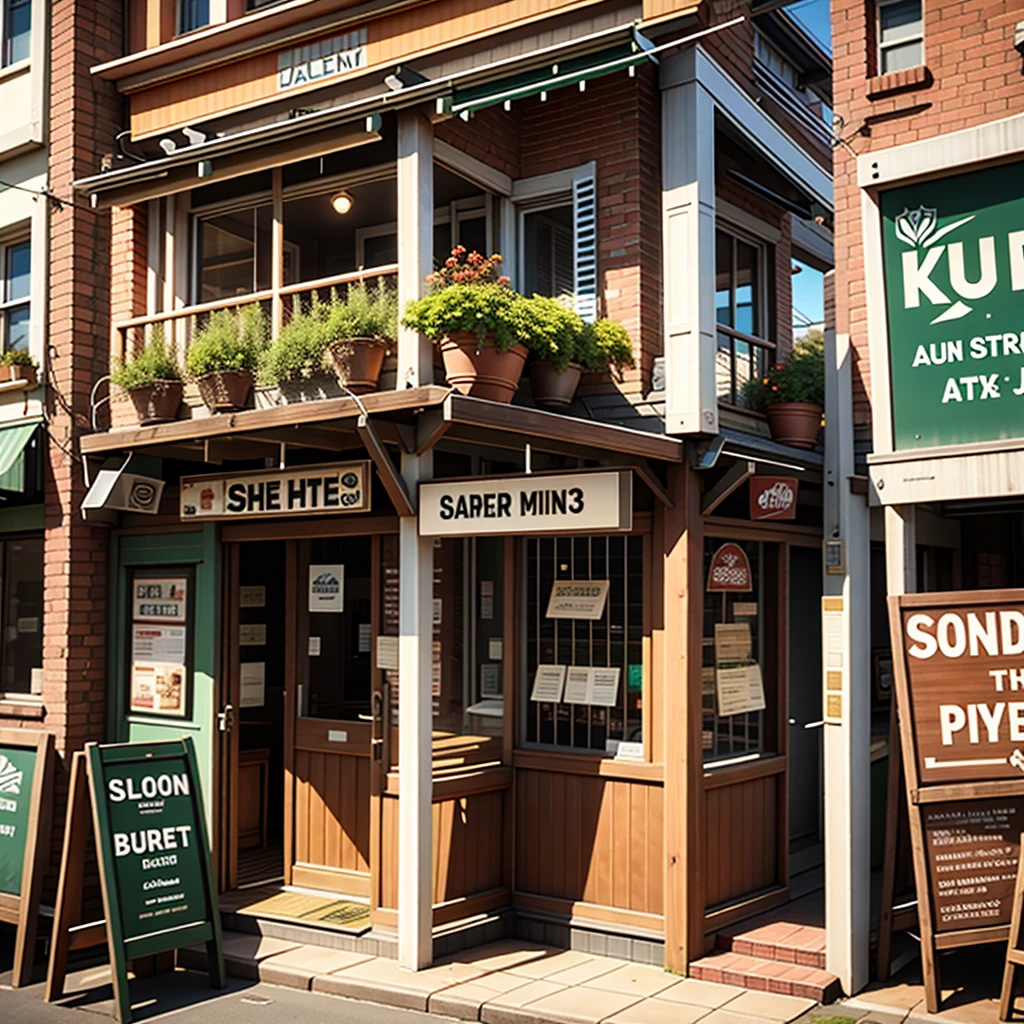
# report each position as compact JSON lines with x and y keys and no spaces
{"x":740,"y":358}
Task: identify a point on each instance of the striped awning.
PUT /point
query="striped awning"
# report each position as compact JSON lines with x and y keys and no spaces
{"x":14,"y":439}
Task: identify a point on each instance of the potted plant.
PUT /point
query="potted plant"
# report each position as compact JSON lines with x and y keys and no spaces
{"x":18,"y":364}
{"x":477,"y":322}
{"x":224,"y":354}
{"x":553,"y":335}
{"x":296,"y":355}
{"x":792,"y":395}
{"x":358,"y":332}
{"x":152,"y":379}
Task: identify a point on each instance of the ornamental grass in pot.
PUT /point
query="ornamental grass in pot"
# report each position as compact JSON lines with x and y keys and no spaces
{"x":152,"y":379}
{"x":223,"y":356}
{"x":18,"y":364}
{"x":792,"y":395}
{"x":358,"y":333}
{"x":478,"y":324}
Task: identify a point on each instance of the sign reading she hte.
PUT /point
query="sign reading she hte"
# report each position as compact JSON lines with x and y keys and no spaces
{"x":729,"y":571}
{"x":527,"y":504}
{"x":311,"y":490}
{"x":953,"y":254}
{"x":773,"y":497}
{"x":962,"y":659}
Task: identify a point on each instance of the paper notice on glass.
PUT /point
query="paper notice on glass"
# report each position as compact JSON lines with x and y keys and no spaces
{"x":548,"y":683}
{"x":158,"y":643}
{"x":253,"y":684}
{"x":252,"y":597}
{"x":745,"y":609}
{"x":495,"y":649}
{"x":252,"y":634}
{"x":490,"y":680}
{"x":740,"y":690}
{"x":365,"y":637}
{"x":732,"y":643}
{"x":604,"y":686}
{"x":438,"y":610}
{"x":387,"y":653}
{"x":327,"y":588}
{"x":158,"y":689}
{"x":577,"y":685}
{"x":159,"y":600}
{"x":707,"y":679}
{"x":577,"y":599}
{"x":435,"y":669}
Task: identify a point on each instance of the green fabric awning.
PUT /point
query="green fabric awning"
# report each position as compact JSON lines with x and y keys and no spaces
{"x":549,"y":77}
{"x":13,"y":441}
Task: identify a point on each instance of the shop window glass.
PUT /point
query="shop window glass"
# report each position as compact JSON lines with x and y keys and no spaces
{"x":732,"y":724}
{"x":603,"y":712}
{"x":900,"y":35}
{"x":21,"y":642}
{"x":234,"y":254}
{"x":548,"y":252}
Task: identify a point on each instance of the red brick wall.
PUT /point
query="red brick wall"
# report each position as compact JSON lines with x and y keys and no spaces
{"x":128,"y":261}
{"x":973,"y":77}
{"x":85,"y":115}
{"x":492,"y":136}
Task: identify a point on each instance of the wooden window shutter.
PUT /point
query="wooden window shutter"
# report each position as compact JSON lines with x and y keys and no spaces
{"x":584,"y":215}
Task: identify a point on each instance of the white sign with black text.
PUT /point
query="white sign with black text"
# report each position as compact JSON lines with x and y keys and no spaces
{"x":577,"y":599}
{"x":327,"y":588}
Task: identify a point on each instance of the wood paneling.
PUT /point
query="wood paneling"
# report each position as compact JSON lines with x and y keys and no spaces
{"x":591,"y":839}
{"x":741,"y":853}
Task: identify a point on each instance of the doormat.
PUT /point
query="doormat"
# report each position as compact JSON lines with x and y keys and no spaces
{"x":341,"y":915}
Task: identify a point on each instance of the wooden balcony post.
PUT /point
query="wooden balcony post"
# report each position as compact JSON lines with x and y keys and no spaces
{"x":277,"y":254}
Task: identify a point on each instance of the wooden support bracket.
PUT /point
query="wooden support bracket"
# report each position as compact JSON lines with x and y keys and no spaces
{"x":733,"y":479}
{"x":393,"y":482}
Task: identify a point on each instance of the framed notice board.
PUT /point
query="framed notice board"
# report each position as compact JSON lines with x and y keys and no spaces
{"x":959,"y":673}
{"x":26,"y":796}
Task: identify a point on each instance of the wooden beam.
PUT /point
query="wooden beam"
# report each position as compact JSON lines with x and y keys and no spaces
{"x":433,"y":424}
{"x":645,"y":471}
{"x":393,"y":483}
{"x":733,"y":479}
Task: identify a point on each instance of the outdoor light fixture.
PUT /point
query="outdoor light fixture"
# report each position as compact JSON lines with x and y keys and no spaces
{"x":342,"y":202}
{"x":403,"y":78}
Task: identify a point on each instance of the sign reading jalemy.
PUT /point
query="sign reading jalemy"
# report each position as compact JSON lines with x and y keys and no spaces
{"x":311,"y":490}
{"x":534,"y":503}
{"x":326,"y":58}
{"x":954,"y":280}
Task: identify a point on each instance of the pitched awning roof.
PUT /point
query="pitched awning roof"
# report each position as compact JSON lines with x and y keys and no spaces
{"x":14,"y":439}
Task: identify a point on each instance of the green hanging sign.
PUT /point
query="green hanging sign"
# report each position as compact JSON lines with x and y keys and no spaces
{"x":954,"y":290}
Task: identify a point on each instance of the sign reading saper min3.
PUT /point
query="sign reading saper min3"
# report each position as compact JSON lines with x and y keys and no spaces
{"x":954,"y":282}
{"x":308,"y":490}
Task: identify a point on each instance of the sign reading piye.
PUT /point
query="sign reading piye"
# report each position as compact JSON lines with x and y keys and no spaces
{"x":954,"y":280}
{"x":311,"y":490}
{"x":535,"y":503}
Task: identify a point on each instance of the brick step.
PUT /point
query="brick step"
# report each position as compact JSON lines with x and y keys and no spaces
{"x":761,"y":975}
{"x":786,"y":943}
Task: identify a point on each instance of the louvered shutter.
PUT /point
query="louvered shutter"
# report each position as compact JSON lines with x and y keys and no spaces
{"x":584,"y":214}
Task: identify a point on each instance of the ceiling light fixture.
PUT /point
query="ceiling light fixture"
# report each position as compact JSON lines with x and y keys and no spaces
{"x":342,"y":202}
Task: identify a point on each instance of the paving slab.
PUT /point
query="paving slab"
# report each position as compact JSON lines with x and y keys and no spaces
{"x":633,"y":979}
{"x":700,"y":993}
{"x":505,"y":1008}
{"x":464,"y":1001}
{"x":658,"y":1011}
{"x":555,"y":961}
{"x":581,"y":1005}
{"x":770,"y":1006}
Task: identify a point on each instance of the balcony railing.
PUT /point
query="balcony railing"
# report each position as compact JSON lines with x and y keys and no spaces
{"x":741,"y":357}
{"x":182,"y":325}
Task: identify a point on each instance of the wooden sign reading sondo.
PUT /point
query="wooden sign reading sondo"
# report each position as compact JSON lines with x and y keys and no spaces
{"x":959,"y":666}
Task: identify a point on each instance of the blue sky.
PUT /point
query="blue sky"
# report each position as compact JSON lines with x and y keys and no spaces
{"x":808,"y":298}
{"x":814,"y":16}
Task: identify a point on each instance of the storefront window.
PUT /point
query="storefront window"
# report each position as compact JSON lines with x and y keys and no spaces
{"x":732,"y":686}
{"x":21,"y":650}
{"x":598,"y":707}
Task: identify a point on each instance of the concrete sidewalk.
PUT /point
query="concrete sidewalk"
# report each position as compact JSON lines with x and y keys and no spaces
{"x":508,"y":982}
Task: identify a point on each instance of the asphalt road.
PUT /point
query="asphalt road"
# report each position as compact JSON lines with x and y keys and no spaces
{"x":183,"y":996}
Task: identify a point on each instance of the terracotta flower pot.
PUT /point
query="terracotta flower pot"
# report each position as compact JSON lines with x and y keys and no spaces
{"x":157,"y":402}
{"x":554,"y":389}
{"x":17,"y":372}
{"x":225,"y":390}
{"x":795,"y":423}
{"x":357,"y":362}
{"x":486,"y":373}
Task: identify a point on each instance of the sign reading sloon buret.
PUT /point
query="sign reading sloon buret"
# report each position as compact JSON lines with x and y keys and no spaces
{"x":954,"y":282}
{"x":309,"y":490}
{"x":600,"y":501}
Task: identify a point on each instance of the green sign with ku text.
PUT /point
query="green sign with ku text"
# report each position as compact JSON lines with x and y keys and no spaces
{"x":17,"y":767}
{"x":954,"y":282}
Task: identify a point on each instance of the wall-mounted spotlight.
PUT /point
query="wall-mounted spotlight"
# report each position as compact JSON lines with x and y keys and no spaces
{"x":403,"y":78}
{"x":341,"y":202}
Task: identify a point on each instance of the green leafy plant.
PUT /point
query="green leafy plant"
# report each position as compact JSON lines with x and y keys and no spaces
{"x":478,"y":308}
{"x":550,"y":329}
{"x":605,"y":344}
{"x":18,"y":357}
{"x":231,"y":339}
{"x":802,"y":379}
{"x":365,"y":312}
{"x":154,"y":363}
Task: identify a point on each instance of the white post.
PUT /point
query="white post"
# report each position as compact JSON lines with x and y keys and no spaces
{"x":900,"y":551}
{"x":688,"y":260}
{"x":416,"y":564}
{"x":846,"y":674}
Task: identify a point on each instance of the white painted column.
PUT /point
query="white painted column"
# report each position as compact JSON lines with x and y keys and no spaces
{"x":846,"y":673}
{"x":900,"y":549}
{"x":416,"y":564}
{"x":688,"y":246}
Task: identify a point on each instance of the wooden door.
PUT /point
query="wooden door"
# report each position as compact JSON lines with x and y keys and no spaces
{"x":330,"y":776}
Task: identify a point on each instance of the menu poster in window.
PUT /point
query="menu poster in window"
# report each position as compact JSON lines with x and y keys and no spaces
{"x":252,"y":634}
{"x":577,"y":599}
{"x":490,"y":680}
{"x":327,"y":588}
{"x":548,"y":682}
{"x":158,"y":673}
{"x":740,"y":690}
{"x":577,"y":685}
{"x":159,"y":600}
{"x":252,"y":597}
{"x":604,"y":686}
{"x":253,"y":675}
{"x":733,"y":643}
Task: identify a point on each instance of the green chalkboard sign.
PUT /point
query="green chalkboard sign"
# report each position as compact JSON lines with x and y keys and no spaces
{"x":17,"y":770}
{"x":158,"y":885}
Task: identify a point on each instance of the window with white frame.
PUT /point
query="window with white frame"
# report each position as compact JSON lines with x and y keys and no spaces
{"x":15,"y":292}
{"x":900,"y":35}
{"x":557,"y":237}
{"x":15,"y":31}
